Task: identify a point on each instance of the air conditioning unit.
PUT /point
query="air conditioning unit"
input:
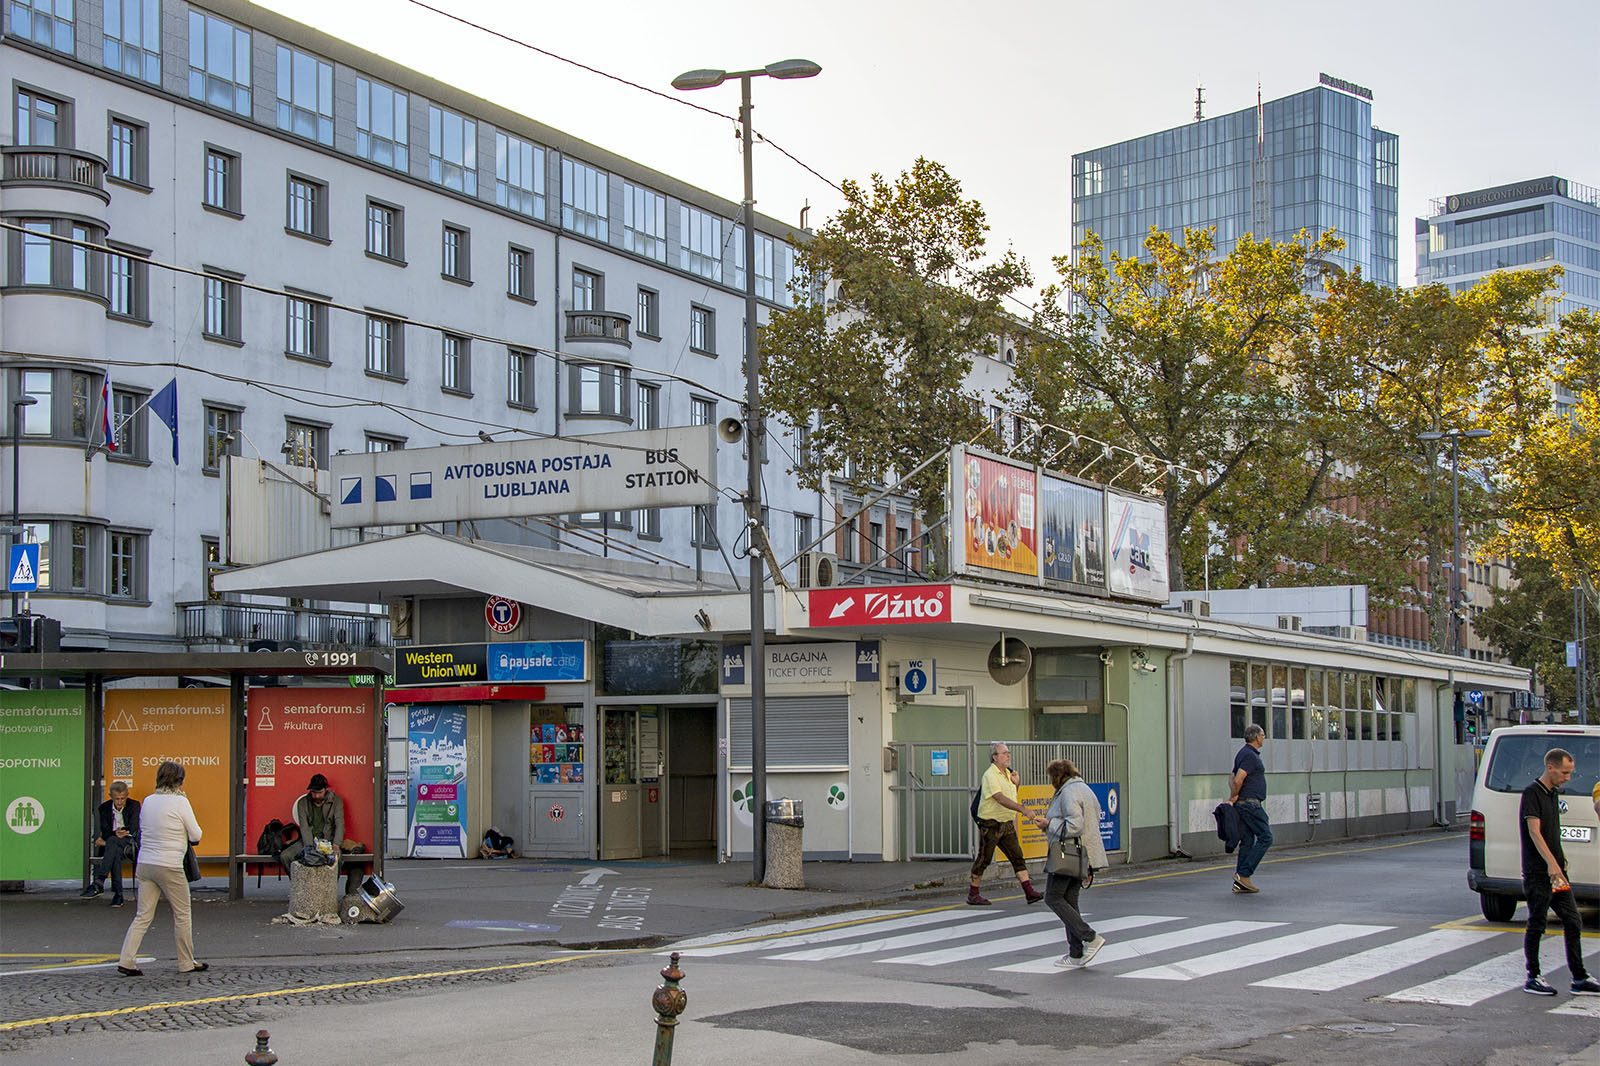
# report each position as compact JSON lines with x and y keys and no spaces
{"x":1351,"y":632}
{"x":1201,"y":608}
{"x":1289,"y":621}
{"x":818,"y":570}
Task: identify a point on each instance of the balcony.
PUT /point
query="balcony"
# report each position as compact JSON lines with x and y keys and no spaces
{"x":59,"y":167}
{"x":217,"y":623}
{"x":608,"y":327}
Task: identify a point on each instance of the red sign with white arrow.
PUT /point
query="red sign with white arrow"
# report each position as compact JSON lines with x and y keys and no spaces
{"x":880,"y":605}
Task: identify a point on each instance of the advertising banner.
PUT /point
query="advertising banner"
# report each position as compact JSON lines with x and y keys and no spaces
{"x":43,"y":777}
{"x":556,"y":475}
{"x":437,"y":800}
{"x":441,"y":664}
{"x":790,"y":663}
{"x":999,"y":521}
{"x":544,"y":660}
{"x":891,"y":604}
{"x":293,"y":733}
{"x":1072,"y":524}
{"x":1138,"y":538}
{"x":189,"y":726}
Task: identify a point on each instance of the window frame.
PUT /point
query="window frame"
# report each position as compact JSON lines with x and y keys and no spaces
{"x":394,"y":229}
{"x":398,"y":139}
{"x":318,"y":315}
{"x":700,"y":242}
{"x":585,"y":206}
{"x":611,"y":388}
{"x":520,"y":391}
{"x":229,"y":186}
{"x":221,"y":286}
{"x":137,"y":558}
{"x":702,"y":330}
{"x":644,"y":221}
{"x":304,"y":439}
{"x":317,"y":229}
{"x":392,"y":337}
{"x":239,"y":53}
{"x":593,"y":288}
{"x":509,"y":189}
{"x":137,"y":153}
{"x":441,"y":165}
{"x":647,"y":313}
{"x":61,"y":122}
{"x":218,"y":421}
{"x":290,"y":108}
{"x":455,"y":369}
{"x":138,"y":283}
{"x":62,"y":32}
{"x":525,"y":290}
{"x":115,"y":36}
{"x":455,"y":260}
{"x":130,"y":432}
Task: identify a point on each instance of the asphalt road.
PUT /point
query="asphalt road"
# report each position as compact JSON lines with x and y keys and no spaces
{"x":1362,"y":955}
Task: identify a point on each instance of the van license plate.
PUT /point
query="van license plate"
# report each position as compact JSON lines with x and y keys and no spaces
{"x":1577,"y":834}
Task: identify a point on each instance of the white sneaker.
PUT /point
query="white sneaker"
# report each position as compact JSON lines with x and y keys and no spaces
{"x":1067,"y":962}
{"x":1091,"y":949}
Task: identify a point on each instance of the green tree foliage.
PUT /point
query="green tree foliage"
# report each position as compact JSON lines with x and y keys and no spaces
{"x":885,"y":367}
{"x":1531,"y":622}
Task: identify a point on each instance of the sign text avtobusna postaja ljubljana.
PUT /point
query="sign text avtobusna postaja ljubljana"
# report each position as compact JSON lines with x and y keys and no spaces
{"x":552,"y":475}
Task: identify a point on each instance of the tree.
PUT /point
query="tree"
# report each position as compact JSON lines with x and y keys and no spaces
{"x":884,"y":369}
{"x":1530,"y":623}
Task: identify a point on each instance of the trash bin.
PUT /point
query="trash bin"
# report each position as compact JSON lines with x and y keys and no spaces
{"x":375,"y":902}
{"x":786,"y":822}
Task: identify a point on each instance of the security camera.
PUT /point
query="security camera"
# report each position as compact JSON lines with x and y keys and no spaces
{"x":1148,"y":668}
{"x":1106,"y":658}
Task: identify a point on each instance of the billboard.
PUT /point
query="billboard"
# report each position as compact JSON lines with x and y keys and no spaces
{"x":437,"y":797}
{"x":1072,"y":526}
{"x":1138,"y":528}
{"x":552,"y":475}
{"x":189,"y":726}
{"x":293,"y":733}
{"x":999,"y":530}
{"x":43,"y":776}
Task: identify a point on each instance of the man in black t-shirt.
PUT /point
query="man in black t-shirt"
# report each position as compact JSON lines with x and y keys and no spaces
{"x":1544,"y":877}
{"x":1247,"y":791}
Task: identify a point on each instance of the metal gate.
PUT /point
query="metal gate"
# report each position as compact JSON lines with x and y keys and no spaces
{"x":935,"y":808}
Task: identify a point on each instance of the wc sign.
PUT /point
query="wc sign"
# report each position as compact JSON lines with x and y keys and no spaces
{"x":918,"y":677}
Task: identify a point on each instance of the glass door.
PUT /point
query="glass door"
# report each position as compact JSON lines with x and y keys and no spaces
{"x":619,"y":786}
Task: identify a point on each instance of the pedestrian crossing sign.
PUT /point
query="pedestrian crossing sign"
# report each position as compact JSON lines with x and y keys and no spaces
{"x":24,"y":568}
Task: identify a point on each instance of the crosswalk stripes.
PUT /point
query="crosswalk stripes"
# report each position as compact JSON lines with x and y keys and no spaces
{"x":1474,"y":984}
{"x":823,"y":936}
{"x":1375,"y":962}
{"x":1149,"y":945}
{"x":1257,"y":952}
{"x":772,"y":929}
{"x":906,"y":940}
{"x":1027,"y":942}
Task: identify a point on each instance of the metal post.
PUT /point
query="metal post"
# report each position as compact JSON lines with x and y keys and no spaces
{"x":16,"y":474}
{"x":262,"y":1055}
{"x":754,"y":436}
{"x":1455,"y":552}
{"x":669,"y":1001}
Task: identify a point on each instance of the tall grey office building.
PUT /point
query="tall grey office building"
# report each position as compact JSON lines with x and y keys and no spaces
{"x":1311,"y":161}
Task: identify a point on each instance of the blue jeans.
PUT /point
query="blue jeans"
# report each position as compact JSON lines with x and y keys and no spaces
{"x":1255,"y":835}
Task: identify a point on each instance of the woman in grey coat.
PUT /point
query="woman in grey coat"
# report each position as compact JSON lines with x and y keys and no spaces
{"x":1074,"y":814}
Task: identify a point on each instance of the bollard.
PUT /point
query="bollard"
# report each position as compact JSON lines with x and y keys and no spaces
{"x":262,"y":1055}
{"x":669,"y":1001}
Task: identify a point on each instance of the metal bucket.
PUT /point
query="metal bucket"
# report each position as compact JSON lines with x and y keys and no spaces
{"x":379,"y":897}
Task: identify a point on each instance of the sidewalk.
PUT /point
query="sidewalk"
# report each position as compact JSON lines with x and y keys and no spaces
{"x":485,"y":904}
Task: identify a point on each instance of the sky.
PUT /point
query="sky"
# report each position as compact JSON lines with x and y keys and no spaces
{"x":1480,"y":93}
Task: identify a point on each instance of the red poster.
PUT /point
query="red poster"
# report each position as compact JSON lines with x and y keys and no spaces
{"x":296,"y":732}
{"x":879,"y":605}
{"x":1000,"y":525}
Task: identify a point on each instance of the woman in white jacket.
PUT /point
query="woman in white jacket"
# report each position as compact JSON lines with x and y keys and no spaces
{"x":167,"y":828}
{"x":1074,"y":814}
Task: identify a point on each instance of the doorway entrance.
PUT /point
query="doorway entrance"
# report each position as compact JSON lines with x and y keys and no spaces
{"x":657,"y":787}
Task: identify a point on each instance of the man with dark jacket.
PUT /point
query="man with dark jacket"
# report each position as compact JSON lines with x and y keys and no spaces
{"x":118,"y":834}
{"x":319,"y":813}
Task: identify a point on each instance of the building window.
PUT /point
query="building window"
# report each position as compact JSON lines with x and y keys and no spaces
{"x":455,"y":364}
{"x":647,"y":316}
{"x":125,"y":565}
{"x":128,"y":285}
{"x":702,"y":330}
{"x":386,"y":231}
{"x":701,"y":233}
{"x":126,"y":152}
{"x":132,"y":40}
{"x":127,"y":430}
{"x":78,"y":556}
{"x":305,"y":95}
{"x":518,"y":175}
{"x":802,"y":533}
{"x":42,"y":121}
{"x":519,"y":378}
{"x":222,"y":180}
{"x":585,"y":201}
{"x":586,"y":292}
{"x":306,"y":329}
{"x":452,"y":151}
{"x":385,"y":347}
{"x":56,"y":253}
{"x":38,"y":417}
{"x":644,"y":222}
{"x":46,"y":22}
{"x":647,"y":407}
{"x":37,"y":253}
{"x":306,"y":444}
{"x":704,"y":533}
{"x":210,"y":564}
{"x":702,"y":411}
{"x":519,"y":273}
{"x":381,"y":124}
{"x":222,"y":306}
{"x":648,"y":523}
{"x":219,"y":63}
{"x":378,"y":442}
{"x":802,"y":447}
{"x":222,"y":425}
{"x":456,"y":254}
{"x":307,"y":211}
{"x":770,"y":279}
{"x":599,"y":391}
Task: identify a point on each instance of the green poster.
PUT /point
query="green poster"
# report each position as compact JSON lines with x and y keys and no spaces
{"x":43,"y":775}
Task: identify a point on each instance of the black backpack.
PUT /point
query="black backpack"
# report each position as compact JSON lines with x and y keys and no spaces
{"x":977,"y":798}
{"x":272,"y":840}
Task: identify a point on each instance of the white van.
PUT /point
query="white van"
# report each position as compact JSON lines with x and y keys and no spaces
{"x":1512,"y":759}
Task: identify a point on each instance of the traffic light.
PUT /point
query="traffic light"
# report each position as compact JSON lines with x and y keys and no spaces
{"x":1472,"y":727}
{"x":14,"y":634}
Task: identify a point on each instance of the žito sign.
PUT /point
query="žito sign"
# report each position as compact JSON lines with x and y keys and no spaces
{"x":502,"y":614}
{"x":879,"y":605}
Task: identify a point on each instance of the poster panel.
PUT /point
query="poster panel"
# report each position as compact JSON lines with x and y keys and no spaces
{"x":999,"y":521}
{"x":1072,"y":525}
{"x":189,"y":726}
{"x":437,"y":800}
{"x":43,"y":778}
{"x":292,"y":733}
{"x":1138,"y":538}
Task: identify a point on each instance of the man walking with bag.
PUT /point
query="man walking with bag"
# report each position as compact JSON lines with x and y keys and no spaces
{"x":1544,"y":877}
{"x":1074,"y":816}
{"x":997,"y":827}
{"x":1248,"y":793}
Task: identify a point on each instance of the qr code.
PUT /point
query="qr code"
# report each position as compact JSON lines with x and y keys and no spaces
{"x":122,"y":767}
{"x":266,"y":765}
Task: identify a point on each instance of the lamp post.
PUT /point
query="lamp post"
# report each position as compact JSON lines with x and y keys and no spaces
{"x":754,"y":432}
{"x":1454,"y":436}
{"x":16,"y":472}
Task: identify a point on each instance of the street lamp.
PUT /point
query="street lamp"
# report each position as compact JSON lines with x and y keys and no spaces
{"x":16,"y":471}
{"x":754,"y":431}
{"x":1454,"y":436}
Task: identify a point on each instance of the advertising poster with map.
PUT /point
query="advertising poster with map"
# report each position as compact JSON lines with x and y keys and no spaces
{"x":293,"y":733}
{"x":1138,"y":538}
{"x":999,"y":516}
{"x":437,"y":801}
{"x":1072,"y":525}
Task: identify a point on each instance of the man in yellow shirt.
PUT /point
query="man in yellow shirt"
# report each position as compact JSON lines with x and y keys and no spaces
{"x":996,"y":825}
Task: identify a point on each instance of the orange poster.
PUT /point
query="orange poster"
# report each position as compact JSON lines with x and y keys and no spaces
{"x":189,"y":726}
{"x":1000,"y":522}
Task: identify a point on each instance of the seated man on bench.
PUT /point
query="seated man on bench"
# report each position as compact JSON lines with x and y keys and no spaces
{"x":320,"y":813}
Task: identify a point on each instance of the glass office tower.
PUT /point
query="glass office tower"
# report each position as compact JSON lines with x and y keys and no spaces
{"x":1310,"y":161}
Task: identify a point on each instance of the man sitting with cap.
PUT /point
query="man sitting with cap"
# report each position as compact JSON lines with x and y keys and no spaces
{"x":319,"y":812}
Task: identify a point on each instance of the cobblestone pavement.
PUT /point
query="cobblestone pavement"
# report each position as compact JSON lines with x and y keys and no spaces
{"x":257,"y":994}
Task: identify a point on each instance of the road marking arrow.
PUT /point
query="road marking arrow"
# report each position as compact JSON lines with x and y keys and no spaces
{"x":593,"y":876}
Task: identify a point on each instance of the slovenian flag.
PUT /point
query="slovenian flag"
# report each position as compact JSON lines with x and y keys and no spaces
{"x":105,"y":414}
